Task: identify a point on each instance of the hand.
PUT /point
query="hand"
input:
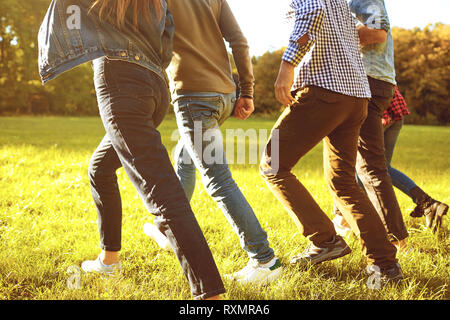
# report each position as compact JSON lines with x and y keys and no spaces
{"x":244,"y":108}
{"x":284,"y":84}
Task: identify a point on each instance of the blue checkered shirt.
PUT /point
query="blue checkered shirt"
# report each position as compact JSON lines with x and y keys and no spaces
{"x":331,"y":59}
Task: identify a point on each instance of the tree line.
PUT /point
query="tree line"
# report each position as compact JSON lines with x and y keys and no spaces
{"x":422,"y":64}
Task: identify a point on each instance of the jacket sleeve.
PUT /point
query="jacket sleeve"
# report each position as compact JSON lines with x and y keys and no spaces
{"x":309,"y":17}
{"x":167,"y":39}
{"x":233,"y":35}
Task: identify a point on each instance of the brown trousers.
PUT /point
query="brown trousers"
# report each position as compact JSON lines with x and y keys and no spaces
{"x":371,"y":162}
{"x":335,"y":118}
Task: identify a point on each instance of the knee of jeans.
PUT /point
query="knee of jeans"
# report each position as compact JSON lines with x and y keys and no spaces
{"x":184,"y":164}
{"x":98,"y":174}
{"x":217,"y":182}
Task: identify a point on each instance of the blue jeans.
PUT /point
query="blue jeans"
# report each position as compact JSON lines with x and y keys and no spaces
{"x":132,"y":103}
{"x":399,"y":179}
{"x":199,"y":115}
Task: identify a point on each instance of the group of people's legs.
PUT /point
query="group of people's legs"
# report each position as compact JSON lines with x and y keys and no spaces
{"x":333,"y":99}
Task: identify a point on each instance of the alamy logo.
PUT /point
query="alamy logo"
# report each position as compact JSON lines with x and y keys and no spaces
{"x":74,"y":280}
{"x":374,"y":280}
{"x":374,"y":21}
{"x":73,"y":22}
{"x":241,"y":147}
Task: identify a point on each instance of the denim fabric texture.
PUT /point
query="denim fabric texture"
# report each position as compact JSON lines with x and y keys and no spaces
{"x":63,"y":46}
{"x":132,"y":103}
{"x":399,"y":179}
{"x":200,"y":114}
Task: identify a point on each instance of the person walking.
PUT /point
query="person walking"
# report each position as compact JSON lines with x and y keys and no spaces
{"x":377,"y":48}
{"x":130,"y":44}
{"x":433,"y":210}
{"x":204,"y":97}
{"x":327,"y":101}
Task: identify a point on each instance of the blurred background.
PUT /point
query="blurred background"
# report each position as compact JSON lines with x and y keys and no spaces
{"x":421,"y":32}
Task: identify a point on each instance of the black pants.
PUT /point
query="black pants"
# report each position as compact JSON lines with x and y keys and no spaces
{"x":132,"y":102}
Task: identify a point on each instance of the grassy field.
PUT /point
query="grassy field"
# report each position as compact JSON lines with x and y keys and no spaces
{"x":48,"y":222}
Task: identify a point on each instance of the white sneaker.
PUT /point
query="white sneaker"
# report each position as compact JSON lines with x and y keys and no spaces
{"x":98,"y":266}
{"x":341,"y":230}
{"x":257,"y":273}
{"x":158,"y":236}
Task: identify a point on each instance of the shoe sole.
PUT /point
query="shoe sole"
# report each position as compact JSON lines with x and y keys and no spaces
{"x":336,"y":254}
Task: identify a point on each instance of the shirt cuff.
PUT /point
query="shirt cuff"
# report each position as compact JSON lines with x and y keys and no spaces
{"x":295,"y":52}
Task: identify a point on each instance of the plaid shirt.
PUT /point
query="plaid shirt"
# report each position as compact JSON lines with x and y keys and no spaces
{"x":331,"y":58}
{"x":396,"y":110}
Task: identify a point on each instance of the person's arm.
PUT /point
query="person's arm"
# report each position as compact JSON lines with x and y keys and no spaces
{"x":309,"y":17}
{"x":232,"y":33}
{"x":368,"y":36}
{"x":374,"y":22}
{"x":167,"y":39}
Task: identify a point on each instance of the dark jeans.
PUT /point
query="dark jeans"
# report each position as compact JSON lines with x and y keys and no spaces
{"x":371,"y":161}
{"x":319,"y":115}
{"x":132,"y":102}
{"x":399,"y":180}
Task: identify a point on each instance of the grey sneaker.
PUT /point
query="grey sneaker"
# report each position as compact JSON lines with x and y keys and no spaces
{"x":331,"y":250}
{"x":379,"y":277}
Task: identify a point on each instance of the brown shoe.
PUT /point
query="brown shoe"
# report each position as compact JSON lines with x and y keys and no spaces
{"x":433,"y":211}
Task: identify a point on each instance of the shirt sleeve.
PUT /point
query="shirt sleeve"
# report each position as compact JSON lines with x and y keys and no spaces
{"x":371,"y":13}
{"x":309,"y":17}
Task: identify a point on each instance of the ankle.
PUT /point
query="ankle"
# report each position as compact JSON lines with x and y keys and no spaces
{"x":109,"y":257}
{"x":419,"y":195}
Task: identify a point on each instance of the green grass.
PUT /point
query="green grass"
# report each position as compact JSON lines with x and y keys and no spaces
{"x":48,"y":222}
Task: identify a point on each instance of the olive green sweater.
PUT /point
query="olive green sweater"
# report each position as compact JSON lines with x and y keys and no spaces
{"x":201,"y":61}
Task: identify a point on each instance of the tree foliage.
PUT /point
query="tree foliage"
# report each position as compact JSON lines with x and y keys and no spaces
{"x":266,"y":69}
{"x":422,"y":63}
{"x":21,"y":91}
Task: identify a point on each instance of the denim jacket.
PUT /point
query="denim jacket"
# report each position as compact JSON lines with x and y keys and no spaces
{"x":378,"y":58}
{"x":70,"y":36}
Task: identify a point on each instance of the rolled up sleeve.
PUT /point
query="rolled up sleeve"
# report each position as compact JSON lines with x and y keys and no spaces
{"x":309,"y":17}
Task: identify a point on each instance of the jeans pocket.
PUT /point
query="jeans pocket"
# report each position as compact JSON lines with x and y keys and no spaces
{"x":206,"y":109}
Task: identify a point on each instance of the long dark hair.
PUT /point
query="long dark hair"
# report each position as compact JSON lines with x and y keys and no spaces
{"x":114,"y":11}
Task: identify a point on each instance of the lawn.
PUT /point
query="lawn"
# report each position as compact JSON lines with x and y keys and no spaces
{"x":48,"y":222}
